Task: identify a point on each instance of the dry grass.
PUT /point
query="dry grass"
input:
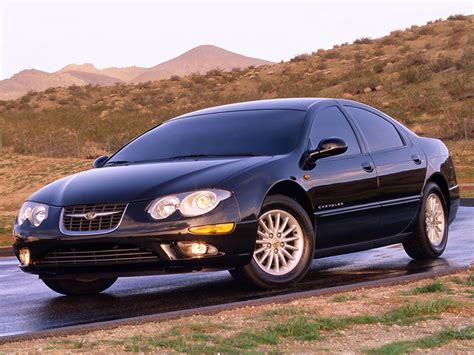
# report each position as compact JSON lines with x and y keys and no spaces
{"x":21,"y":175}
{"x":421,"y":76}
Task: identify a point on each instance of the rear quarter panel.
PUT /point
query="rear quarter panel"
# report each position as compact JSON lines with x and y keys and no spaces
{"x":440,"y":163}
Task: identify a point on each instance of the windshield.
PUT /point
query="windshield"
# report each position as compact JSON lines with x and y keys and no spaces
{"x":260,"y":132}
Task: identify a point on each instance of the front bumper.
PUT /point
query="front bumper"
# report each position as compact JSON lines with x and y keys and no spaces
{"x":157,"y":240}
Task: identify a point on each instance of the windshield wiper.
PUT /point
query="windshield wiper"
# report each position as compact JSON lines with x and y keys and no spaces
{"x":244,"y":154}
{"x":118,"y":162}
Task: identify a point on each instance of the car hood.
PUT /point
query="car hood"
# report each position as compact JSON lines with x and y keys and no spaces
{"x":136,"y":182}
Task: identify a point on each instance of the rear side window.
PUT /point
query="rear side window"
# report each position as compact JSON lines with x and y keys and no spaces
{"x":379,"y":133}
{"x":331,"y":122}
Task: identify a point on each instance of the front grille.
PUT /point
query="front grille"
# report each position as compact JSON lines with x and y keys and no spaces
{"x":108,"y":255}
{"x":99,"y":218}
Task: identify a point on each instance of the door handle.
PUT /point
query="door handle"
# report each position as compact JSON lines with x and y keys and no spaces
{"x":416,"y":159}
{"x":368,"y":166}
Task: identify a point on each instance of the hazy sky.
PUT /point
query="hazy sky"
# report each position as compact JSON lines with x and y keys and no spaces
{"x":49,"y":35}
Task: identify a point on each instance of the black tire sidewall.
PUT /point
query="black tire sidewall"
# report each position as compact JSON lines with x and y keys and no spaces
{"x":77,"y":287}
{"x":263,"y":279}
{"x":436,"y":250}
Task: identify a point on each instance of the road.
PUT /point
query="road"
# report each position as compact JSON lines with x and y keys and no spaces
{"x":27,"y":305}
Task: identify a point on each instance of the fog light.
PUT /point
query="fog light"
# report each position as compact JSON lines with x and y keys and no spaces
{"x":213,"y":229}
{"x":25,"y":257}
{"x":197,"y":249}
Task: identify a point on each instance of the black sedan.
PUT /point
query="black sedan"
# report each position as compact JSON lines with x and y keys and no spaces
{"x":257,"y":188}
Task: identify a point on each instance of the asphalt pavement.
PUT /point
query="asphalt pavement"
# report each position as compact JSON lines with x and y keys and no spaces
{"x":28,"y":306}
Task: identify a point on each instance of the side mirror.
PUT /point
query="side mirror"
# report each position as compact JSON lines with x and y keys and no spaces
{"x":328,"y":147}
{"x":99,"y":162}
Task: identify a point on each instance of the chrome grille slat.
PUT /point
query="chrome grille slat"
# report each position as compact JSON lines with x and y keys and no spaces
{"x":74,"y":225}
{"x":117,"y":255}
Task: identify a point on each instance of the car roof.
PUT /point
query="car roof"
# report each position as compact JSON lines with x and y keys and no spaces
{"x":300,"y":104}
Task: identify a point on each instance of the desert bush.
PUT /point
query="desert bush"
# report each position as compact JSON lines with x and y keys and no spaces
{"x":300,"y":58}
{"x":459,"y":87}
{"x":175,"y":78}
{"x":405,"y":48}
{"x":412,"y":36}
{"x":25,"y":99}
{"x":390,"y":41}
{"x":357,"y":80}
{"x":416,"y":58}
{"x":466,"y":61}
{"x":414,"y":74}
{"x":332,"y":55}
{"x":426,"y":31}
{"x":441,"y":63}
{"x":198,"y":79}
{"x":265,"y":86}
{"x":457,"y":17}
{"x":378,"y":67}
{"x":378,"y":52}
{"x":453,"y":42}
{"x":322,"y":65}
{"x":359,"y":56}
{"x":363,"y":40}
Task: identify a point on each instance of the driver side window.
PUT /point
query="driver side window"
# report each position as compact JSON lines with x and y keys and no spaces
{"x":330,"y":122}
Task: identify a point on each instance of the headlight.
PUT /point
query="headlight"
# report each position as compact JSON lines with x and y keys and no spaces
{"x":190,"y":204}
{"x":163,"y":207}
{"x":34,"y":212}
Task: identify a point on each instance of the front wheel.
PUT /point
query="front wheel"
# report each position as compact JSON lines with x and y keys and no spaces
{"x":284,"y":245}
{"x":431,"y":235}
{"x":71,"y":287}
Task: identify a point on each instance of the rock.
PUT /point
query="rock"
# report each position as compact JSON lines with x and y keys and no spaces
{"x":385,"y":104}
{"x":104,"y":114}
{"x":378,"y":88}
{"x":348,"y":96}
{"x":367,"y":90}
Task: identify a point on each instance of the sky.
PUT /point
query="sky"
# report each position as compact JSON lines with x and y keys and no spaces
{"x":49,"y":35}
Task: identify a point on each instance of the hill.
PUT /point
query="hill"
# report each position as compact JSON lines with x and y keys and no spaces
{"x":34,"y":80}
{"x":197,"y":60}
{"x":422,"y":76}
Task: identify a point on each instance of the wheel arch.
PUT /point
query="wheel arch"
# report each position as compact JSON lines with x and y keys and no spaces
{"x":439,"y":180}
{"x":293,"y":190}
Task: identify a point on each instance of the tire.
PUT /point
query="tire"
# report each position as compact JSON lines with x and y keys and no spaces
{"x":431,"y":235}
{"x":71,"y":287}
{"x":294,"y":237}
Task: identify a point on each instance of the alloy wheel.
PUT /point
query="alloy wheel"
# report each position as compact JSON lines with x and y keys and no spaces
{"x":280,"y":242}
{"x":434,"y":219}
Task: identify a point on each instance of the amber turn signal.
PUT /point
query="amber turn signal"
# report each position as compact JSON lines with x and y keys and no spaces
{"x":213,"y":229}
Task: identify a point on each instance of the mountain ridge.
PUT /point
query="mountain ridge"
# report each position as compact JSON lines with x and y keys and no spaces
{"x":199,"y":59}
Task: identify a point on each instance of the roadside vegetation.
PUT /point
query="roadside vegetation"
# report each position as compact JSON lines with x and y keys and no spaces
{"x":386,"y":320}
{"x":423,"y":76}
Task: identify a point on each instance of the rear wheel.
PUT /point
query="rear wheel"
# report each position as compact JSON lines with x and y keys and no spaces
{"x":79,"y":286}
{"x":284,"y":245}
{"x":432,"y":230}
